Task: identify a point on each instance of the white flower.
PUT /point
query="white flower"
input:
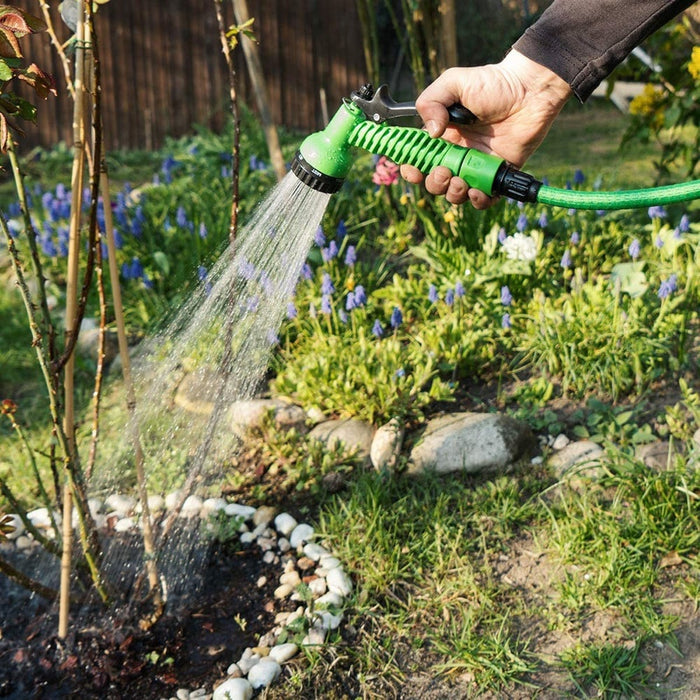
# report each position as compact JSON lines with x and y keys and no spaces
{"x":520,"y":247}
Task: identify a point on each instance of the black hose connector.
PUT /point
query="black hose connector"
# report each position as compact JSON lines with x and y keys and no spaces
{"x":516,"y":184}
{"x":314,"y":178}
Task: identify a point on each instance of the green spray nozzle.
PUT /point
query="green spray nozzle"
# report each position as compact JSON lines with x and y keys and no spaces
{"x":323,"y":159}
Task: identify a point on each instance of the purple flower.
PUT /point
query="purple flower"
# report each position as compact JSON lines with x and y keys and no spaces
{"x":342,"y":316}
{"x":319,"y":237}
{"x":327,"y":286}
{"x":575,"y":238}
{"x":579,"y":177}
{"x":272,"y":337}
{"x":505,"y":321}
{"x":543,"y":220}
{"x":449,"y":297}
{"x":330,"y":252}
{"x":566,"y":259}
{"x":291,"y":310}
{"x":657,"y":212}
{"x":360,"y":296}
{"x":181,"y":217}
{"x":350,"y":302}
{"x":326,"y":304}
{"x":201,"y":273}
{"x":668,"y":287}
{"x":350,"y":256}
{"x":306,"y":271}
{"x":659,"y":242}
{"x":341,"y":230}
{"x":203,"y":230}
{"x":684,"y":224}
{"x":433,"y":295}
{"x":246,"y":269}
{"x":48,"y":247}
{"x":521,"y":224}
{"x":502,"y":235}
{"x":506,"y":296}
{"x":459,"y":289}
{"x":396,"y":317}
{"x":377,"y":329}
{"x":634,"y":249}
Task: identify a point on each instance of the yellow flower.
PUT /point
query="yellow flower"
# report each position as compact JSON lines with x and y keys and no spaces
{"x":350,"y":283}
{"x":449,"y":216}
{"x":421,"y":203}
{"x":404,"y":199}
{"x":694,"y":63}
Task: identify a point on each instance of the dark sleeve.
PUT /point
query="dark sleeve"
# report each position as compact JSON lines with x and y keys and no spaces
{"x":583,"y":40}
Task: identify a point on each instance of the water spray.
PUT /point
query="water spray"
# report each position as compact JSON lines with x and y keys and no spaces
{"x":324,"y":158}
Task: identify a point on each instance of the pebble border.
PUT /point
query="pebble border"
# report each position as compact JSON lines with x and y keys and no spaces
{"x":280,"y":539}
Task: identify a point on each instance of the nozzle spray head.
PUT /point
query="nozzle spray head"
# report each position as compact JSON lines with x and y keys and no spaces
{"x":323,"y":159}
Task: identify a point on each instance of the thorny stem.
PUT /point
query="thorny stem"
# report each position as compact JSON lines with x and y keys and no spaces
{"x":59,"y":48}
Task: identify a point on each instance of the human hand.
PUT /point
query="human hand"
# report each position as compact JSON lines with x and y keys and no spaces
{"x":515,"y":102}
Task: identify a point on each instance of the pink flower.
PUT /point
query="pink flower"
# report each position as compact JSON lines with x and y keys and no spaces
{"x":386,"y":172}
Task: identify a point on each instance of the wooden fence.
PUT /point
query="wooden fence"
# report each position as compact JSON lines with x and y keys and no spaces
{"x":163,"y":70}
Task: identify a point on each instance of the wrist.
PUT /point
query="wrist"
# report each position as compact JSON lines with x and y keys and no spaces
{"x":537,"y":81}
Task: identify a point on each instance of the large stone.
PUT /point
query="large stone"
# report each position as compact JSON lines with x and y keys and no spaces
{"x":355,"y":435}
{"x":198,"y":391}
{"x":386,"y":445}
{"x":470,"y":442}
{"x":582,"y":457}
{"x":246,"y":415}
{"x":233,"y":689}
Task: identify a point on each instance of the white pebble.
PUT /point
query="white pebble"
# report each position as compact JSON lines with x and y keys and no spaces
{"x":314,"y":637}
{"x":124,"y":525}
{"x":300,"y":534}
{"x":329,"y":621}
{"x":330,"y":599}
{"x":264,"y":673}
{"x":191,"y":507}
{"x":285,"y":523}
{"x":39,"y":518}
{"x":270,"y":557}
{"x":283,"y":652}
{"x":120,"y":504}
{"x":283,"y":591}
{"x":182,"y":694}
{"x":291,"y":578}
{"x":560,"y":442}
{"x":537,"y":460}
{"x":24,"y":542}
{"x":283,"y":545}
{"x":234,"y":671}
{"x":318,"y":587}
{"x":339,"y":582}
{"x":171,"y":500}
{"x":211,"y":506}
{"x":261,"y":581}
{"x":94,"y":506}
{"x":314,"y":551}
{"x":246,"y":664}
{"x":329,"y":562}
{"x":240,"y":511}
{"x":233,"y":689}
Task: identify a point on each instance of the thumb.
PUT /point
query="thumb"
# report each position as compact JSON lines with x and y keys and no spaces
{"x":432,"y":103}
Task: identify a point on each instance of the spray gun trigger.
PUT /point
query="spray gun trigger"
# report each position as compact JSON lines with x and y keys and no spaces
{"x":378,"y":106}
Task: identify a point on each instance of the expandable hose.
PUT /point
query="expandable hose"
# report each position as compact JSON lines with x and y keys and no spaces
{"x":625,"y":199}
{"x":323,"y":161}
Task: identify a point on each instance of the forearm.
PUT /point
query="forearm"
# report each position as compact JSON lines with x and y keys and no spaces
{"x":583,"y":40}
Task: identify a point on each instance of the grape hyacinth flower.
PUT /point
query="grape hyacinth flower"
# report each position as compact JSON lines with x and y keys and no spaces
{"x":505,"y":321}
{"x":292,"y":312}
{"x":459,"y":289}
{"x":521,"y":224}
{"x":320,"y":237}
{"x":684,"y":224}
{"x":201,"y":273}
{"x":327,"y":286}
{"x":575,"y":238}
{"x":657,"y":212}
{"x":330,"y":252}
{"x":203,"y":233}
{"x":634,"y":249}
{"x":350,"y":302}
{"x":659,"y":242}
{"x":350,"y":256}
{"x":449,"y":297}
{"x":326,"y":304}
{"x":342,"y":316}
{"x":566,"y":260}
{"x":579,"y":177}
{"x":433,"y":295}
{"x":543,"y":220}
{"x":306,"y":272}
{"x":360,"y":295}
{"x":668,"y":287}
{"x":377,"y":329}
{"x":506,"y":296}
{"x":502,"y":235}
{"x":341,"y":230}
{"x":396,"y":318}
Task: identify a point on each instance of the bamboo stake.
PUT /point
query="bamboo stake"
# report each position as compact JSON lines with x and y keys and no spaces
{"x":257,"y":78}
{"x":71,"y":313}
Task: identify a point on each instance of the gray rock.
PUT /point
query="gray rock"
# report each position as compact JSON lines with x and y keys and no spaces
{"x":386,"y":445}
{"x":655,"y":454}
{"x":355,"y":435}
{"x":198,"y":390}
{"x":246,"y":415}
{"x":470,"y":442}
{"x":582,"y":457}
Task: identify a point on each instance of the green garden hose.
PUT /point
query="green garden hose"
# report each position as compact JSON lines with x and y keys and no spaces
{"x":323,"y":160}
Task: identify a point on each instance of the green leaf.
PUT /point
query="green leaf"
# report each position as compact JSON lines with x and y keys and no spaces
{"x":5,"y":71}
{"x":161,"y":260}
{"x":629,"y":278}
